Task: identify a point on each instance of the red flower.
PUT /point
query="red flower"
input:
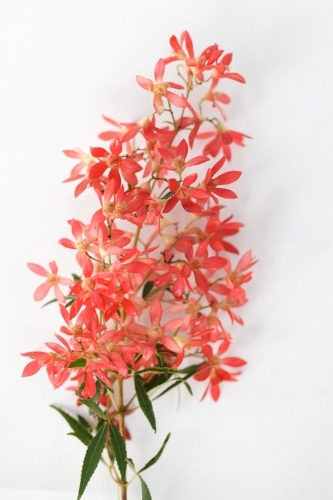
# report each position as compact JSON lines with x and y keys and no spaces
{"x":184,"y":193}
{"x":176,"y":158}
{"x":212,"y":369}
{"x":211,"y":183}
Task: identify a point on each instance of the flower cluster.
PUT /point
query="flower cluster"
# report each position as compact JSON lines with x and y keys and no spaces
{"x":157,"y":286}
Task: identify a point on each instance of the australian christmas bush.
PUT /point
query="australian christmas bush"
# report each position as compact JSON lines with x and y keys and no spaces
{"x":157,"y":280}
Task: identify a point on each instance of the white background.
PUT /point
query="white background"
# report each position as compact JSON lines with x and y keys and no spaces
{"x":63,"y":64}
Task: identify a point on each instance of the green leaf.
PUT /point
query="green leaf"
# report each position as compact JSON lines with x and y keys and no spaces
{"x":144,"y":402}
{"x":49,"y":302}
{"x":119,"y":449}
{"x":94,"y":406}
{"x":190,"y":369}
{"x":168,"y":195}
{"x":91,"y":459}
{"x":156,"y":381}
{"x":84,"y":438}
{"x":158,"y":369}
{"x":104,"y":385}
{"x":84,"y":422}
{"x":71,"y":300}
{"x":188,"y":387}
{"x":79,"y":431}
{"x":146,"y":289}
{"x":76,"y":277}
{"x":177,"y":382}
{"x":144,"y":490}
{"x":157,"y":456}
{"x":80,"y":389}
{"x":78,"y":363}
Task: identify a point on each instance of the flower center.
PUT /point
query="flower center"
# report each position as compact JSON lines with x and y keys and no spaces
{"x":212,"y":184}
{"x":52,"y":279}
{"x":195,"y":263}
{"x":122,"y":208}
{"x":178,"y":163}
{"x":160,"y":88}
{"x":82,"y":245}
{"x":112,"y":161}
{"x":182,"y":193}
{"x":155,"y":331}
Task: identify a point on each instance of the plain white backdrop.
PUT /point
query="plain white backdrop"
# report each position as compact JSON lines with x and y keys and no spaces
{"x":63,"y":64}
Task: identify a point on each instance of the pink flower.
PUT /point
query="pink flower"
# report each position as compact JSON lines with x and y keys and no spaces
{"x":160,"y":89}
{"x":52,"y":280}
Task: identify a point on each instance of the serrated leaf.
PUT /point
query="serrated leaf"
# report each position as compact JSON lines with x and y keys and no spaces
{"x":76,"y":426}
{"x":119,"y":449}
{"x":144,"y":490}
{"x":94,"y":406}
{"x":91,"y":459}
{"x":84,"y":438}
{"x":78,"y":363}
{"x":190,"y":369}
{"x":157,"y":380}
{"x":146,"y":289}
{"x":158,"y":369}
{"x":104,"y":385}
{"x":144,"y":402}
{"x":84,"y":422}
{"x":157,"y":456}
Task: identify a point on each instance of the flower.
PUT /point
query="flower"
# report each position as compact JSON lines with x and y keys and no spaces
{"x":160,"y":89}
{"x":213,"y":370}
{"x":52,"y":280}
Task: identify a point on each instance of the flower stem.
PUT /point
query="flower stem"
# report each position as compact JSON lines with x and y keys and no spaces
{"x":123,"y":485}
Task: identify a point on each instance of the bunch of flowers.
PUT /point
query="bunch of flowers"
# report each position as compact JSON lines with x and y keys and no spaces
{"x":148,"y":310}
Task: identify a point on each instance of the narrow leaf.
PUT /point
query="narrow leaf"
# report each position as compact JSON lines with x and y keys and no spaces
{"x":94,"y":406}
{"x":144,"y":402}
{"x":79,"y":431}
{"x":190,"y":369}
{"x":156,"y":381}
{"x":70,"y":302}
{"x":91,"y":459}
{"x":84,"y":438}
{"x":49,"y":302}
{"x":177,"y":382}
{"x":159,"y":369}
{"x":78,"y":363}
{"x":188,"y":387}
{"x":119,"y":449}
{"x":144,"y":490}
{"x":157,"y":456}
{"x":76,"y":277}
{"x":146,"y":289}
{"x":106,"y":386}
{"x":167,"y":196}
{"x":84,"y":422}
